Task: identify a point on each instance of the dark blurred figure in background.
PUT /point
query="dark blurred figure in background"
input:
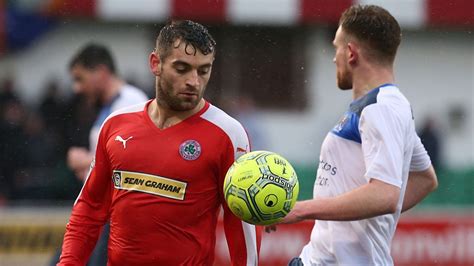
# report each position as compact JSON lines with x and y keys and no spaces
{"x":52,"y":108}
{"x":11,"y":137}
{"x":12,"y":147}
{"x":430,"y":138}
{"x":7,"y":91}
{"x":40,"y":152}
{"x":33,"y":144}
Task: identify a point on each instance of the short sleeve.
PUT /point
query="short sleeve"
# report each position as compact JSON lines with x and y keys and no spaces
{"x":420,"y":159}
{"x":382,"y":137}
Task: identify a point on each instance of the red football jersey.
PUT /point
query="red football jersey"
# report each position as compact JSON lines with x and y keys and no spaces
{"x":162,"y":190}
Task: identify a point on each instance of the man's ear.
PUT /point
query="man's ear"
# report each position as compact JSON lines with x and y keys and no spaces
{"x":353,"y":53}
{"x":155,"y":63}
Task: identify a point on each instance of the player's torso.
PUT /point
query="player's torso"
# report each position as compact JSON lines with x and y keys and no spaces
{"x":341,"y":163}
{"x":342,"y":169}
{"x":165,"y":186}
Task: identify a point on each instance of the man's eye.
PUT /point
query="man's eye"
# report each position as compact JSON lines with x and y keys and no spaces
{"x":203,"y":71}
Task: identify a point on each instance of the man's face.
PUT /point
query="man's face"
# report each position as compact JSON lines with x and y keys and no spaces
{"x":85,"y":81}
{"x":183,"y":78}
{"x":343,"y":70}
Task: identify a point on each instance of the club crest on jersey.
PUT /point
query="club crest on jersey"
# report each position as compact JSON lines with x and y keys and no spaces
{"x":117,"y":178}
{"x":190,"y":150}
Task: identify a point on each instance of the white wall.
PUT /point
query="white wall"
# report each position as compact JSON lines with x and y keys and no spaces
{"x":434,"y":69}
{"x":49,"y":56}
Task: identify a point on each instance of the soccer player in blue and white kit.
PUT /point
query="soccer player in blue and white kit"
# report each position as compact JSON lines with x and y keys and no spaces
{"x":372,"y":165}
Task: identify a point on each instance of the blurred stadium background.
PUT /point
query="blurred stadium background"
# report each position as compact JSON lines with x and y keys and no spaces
{"x":273,"y":71}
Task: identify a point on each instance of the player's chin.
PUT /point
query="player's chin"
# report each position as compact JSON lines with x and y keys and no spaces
{"x":187,"y":105}
{"x":344,"y":86}
{"x":344,"y":82}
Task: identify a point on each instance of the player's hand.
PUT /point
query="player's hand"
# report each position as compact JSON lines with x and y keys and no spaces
{"x":293,"y":216}
{"x":79,"y":159}
{"x":76,"y":156}
{"x":81,"y":175}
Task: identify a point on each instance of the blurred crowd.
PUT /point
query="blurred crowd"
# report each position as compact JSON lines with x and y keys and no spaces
{"x":34,"y":141}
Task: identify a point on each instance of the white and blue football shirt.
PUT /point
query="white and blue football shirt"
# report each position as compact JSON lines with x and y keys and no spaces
{"x":375,"y":138}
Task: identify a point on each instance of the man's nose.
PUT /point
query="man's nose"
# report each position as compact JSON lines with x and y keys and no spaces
{"x":193,"y":79}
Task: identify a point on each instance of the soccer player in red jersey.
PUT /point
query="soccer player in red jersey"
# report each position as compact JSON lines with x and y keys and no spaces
{"x":159,"y":168}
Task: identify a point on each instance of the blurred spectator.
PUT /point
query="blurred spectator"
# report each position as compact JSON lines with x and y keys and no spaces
{"x":40,"y":146}
{"x":12,"y":146}
{"x":94,"y":74}
{"x":40,"y":155}
{"x":7,"y":93}
{"x":430,"y":138}
{"x":7,"y":90}
{"x":52,"y":106}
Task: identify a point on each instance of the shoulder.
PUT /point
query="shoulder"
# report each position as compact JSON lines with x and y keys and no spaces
{"x":129,"y":95}
{"x":381,"y":97}
{"x":391,"y":113}
{"x":132,"y":91}
{"x":125,"y":111}
{"x":229,"y":125}
{"x":391,"y":95}
{"x":387,"y":101}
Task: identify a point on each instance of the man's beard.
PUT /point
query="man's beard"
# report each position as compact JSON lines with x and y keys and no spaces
{"x":344,"y":81}
{"x":164,"y":98}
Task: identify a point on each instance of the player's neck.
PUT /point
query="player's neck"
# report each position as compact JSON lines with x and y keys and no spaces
{"x":111,"y":89}
{"x":163,"y":117}
{"x":369,"y":79}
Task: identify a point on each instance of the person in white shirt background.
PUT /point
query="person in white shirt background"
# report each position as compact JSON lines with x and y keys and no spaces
{"x":95,"y":76}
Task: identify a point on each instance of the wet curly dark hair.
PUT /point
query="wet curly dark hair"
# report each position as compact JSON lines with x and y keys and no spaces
{"x":195,"y":36}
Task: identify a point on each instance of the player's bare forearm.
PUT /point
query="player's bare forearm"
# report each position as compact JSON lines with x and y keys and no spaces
{"x":373,"y":199}
{"x":419,"y":185}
